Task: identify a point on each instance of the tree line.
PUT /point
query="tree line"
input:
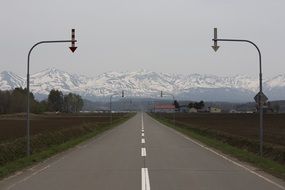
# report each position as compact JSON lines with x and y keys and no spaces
{"x":197,"y":105}
{"x":15,"y":101}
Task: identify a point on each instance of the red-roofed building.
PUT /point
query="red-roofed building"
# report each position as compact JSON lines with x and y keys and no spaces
{"x":164,"y":107}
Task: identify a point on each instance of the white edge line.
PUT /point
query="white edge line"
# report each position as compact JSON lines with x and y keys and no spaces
{"x":224,"y":157}
{"x":28,"y":177}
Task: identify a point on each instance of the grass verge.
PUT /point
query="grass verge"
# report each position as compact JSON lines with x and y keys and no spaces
{"x":19,"y":164}
{"x":265,"y":164}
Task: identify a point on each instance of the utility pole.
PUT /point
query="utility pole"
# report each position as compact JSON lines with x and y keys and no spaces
{"x":161,"y":95}
{"x":72,"y":48}
{"x":260,"y":98}
{"x":111,"y":116}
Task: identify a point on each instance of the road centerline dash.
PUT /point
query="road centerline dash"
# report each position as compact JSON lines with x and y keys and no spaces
{"x":143,"y":152}
{"x":142,"y":122}
{"x":145,"y":179}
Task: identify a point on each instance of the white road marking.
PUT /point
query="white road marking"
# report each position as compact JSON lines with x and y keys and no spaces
{"x":142,"y":123}
{"x":145,"y":179}
{"x":143,"y":152}
{"x":226,"y":158}
{"x":26,"y":178}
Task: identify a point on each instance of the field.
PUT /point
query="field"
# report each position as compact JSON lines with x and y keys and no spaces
{"x":48,"y":131}
{"x":244,"y":125}
{"x":241,"y":130}
{"x":14,"y":126}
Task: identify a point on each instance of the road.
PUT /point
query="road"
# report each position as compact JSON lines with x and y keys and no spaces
{"x":141,"y":154}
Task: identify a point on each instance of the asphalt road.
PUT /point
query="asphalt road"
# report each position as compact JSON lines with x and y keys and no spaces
{"x":141,"y":154}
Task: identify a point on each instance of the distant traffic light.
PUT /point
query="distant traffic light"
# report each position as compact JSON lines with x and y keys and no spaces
{"x":161,"y":94}
{"x":123,"y":94}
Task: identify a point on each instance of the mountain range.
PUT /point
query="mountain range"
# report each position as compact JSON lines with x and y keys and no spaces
{"x":148,"y":84}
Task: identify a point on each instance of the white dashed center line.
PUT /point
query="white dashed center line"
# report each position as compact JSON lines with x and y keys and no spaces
{"x":142,"y":123}
{"x":144,"y":173}
{"x":145,"y":179}
{"x":143,"y":151}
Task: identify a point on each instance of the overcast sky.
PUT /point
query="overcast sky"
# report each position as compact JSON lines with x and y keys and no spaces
{"x":171,"y":36}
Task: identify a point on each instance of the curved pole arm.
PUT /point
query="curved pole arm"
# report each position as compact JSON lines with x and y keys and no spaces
{"x":45,"y":42}
{"x":113,"y":95}
{"x":111,"y":100}
{"x":247,"y":41}
{"x":170,"y":95}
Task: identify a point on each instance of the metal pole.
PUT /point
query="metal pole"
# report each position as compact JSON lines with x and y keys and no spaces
{"x":174,"y":106}
{"x":111,"y":120}
{"x":260,"y":90}
{"x":28,"y":88}
{"x":174,"y":109}
{"x":111,"y":116}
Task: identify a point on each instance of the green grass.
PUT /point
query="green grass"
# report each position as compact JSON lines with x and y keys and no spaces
{"x":19,"y":164}
{"x":265,"y":164}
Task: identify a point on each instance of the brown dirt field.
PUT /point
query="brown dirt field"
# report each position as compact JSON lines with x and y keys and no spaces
{"x":14,"y":125}
{"x":244,"y":125}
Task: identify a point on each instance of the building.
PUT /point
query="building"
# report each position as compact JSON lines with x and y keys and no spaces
{"x":214,"y":110}
{"x":183,"y":109}
{"x":168,"y":108}
{"x":193,"y":110}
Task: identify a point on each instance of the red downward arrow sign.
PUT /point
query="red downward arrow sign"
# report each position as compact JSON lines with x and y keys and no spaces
{"x":73,"y":48}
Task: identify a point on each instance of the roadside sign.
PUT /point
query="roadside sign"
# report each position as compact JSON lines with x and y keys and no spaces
{"x":262,"y":96}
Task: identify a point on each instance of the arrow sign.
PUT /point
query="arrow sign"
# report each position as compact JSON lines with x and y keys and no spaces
{"x":73,"y":48}
{"x":215,"y":46}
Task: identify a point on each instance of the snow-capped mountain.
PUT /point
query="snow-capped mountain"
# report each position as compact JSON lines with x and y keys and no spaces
{"x":9,"y":80}
{"x":42,"y":82}
{"x":144,"y":83}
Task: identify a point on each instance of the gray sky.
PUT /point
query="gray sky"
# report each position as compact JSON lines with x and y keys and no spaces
{"x":158,"y":35}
